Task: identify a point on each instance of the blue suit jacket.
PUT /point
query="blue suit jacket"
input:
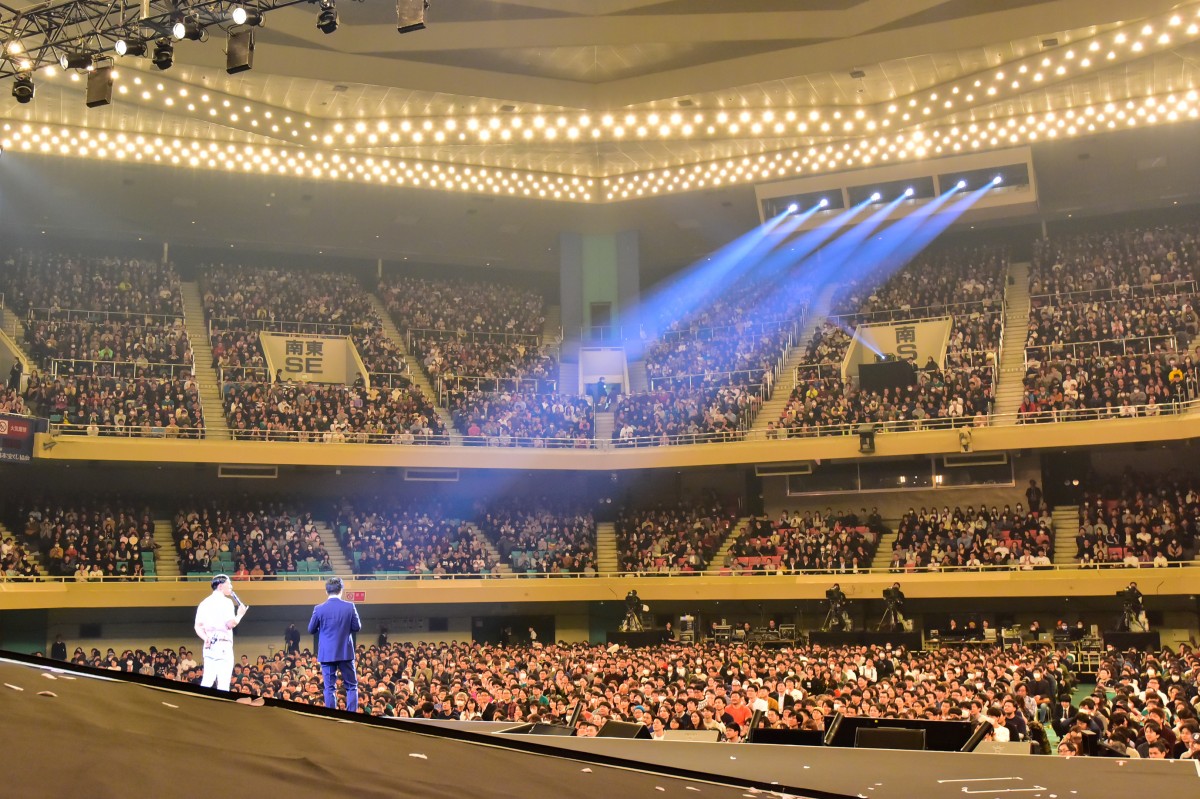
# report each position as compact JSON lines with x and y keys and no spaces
{"x":334,"y":623}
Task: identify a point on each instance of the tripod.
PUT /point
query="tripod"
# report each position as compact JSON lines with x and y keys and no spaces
{"x":836,"y":618}
{"x":632,"y":622}
{"x":1133,"y":620}
{"x":891,"y":620}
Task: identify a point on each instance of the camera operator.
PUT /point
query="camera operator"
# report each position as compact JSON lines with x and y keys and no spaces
{"x":895,"y":606}
{"x":837,"y":616}
{"x":1135,"y":610}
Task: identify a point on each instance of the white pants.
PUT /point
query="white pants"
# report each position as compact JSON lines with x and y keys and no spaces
{"x":218,"y":669}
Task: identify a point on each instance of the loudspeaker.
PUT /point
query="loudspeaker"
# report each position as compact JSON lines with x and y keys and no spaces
{"x":239,"y":52}
{"x":623,"y":729}
{"x":889,"y":738}
{"x":99,"y":87}
{"x":550,"y":729}
{"x":786,"y":737}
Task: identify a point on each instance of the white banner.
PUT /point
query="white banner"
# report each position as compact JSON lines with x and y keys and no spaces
{"x":917,"y":341}
{"x":312,"y":359}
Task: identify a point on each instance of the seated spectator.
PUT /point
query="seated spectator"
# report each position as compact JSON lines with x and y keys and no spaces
{"x":930,"y":539}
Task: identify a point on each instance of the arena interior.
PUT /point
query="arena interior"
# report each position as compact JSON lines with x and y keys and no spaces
{"x":819,"y":378}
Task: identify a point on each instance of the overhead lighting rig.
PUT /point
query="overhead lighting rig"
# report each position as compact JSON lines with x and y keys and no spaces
{"x":39,"y":36}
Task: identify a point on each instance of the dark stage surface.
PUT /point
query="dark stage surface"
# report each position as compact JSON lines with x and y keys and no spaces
{"x":120,"y":737}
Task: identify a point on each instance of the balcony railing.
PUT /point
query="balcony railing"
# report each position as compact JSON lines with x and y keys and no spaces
{"x":80,"y":315}
{"x":65,"y":366}
{"x":1112,"y":293}
{"x":723,"y":573}
{"x":888,"y":427}
{"x":1168,"y":344}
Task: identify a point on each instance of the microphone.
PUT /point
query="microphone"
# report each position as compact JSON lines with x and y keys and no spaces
{"x":237,"y":599}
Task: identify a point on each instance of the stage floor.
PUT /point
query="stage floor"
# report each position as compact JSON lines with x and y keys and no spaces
{"x":112,"y":735}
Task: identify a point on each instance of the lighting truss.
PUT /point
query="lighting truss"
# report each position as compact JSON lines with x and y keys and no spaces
{"x":37,"y":36}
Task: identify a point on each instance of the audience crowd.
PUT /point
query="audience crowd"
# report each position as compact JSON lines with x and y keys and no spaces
{"x":249,"y":539}
{"x":544,"y":540}
{"x":46,"y":285}
{"x":806,"y":542}
{"x":89,"y":539}
{"x":517,"y":418}
{"x":119,"y":406}
{"x":683,"y":415}
{"x":1007,"y":537}
{"x":331,"y":413}
{"x":672,"y":539}
{"x":388,"y":538}
{"x":1026,"y":692}
{"x":1111,"y":321}
{"x":1138,"y":521}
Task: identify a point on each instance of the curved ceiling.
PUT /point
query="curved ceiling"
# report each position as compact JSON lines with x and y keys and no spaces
{"x":606,"y":100}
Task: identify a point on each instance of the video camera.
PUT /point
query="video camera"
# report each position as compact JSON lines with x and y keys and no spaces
{"x":892,"y":594}
{"x":834,"y":595}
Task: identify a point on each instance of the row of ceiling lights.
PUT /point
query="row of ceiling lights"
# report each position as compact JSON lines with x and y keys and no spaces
{"x":864,"y":152}
{"x":80,"y":142}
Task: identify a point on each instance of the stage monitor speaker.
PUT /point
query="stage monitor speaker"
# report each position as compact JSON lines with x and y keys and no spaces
{"x":550,"y":729}
{"x":889,"y":738}
{"x":832,"y":725}
{"x":695,"y":736}
{"x":768,"y":735}
{"x":980,"y":733}
{"x":576,"y":713}
{"x":623,"y":729}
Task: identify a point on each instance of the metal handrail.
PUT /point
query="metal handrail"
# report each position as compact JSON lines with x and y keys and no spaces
{"x":79,"y":314}
{"x":125,"y":431}
{"x":531,"y":385}
{"x":230,"y":323}
{"x":1056,"y":298}
{"x":471,"y":335}
{"x":920,"y":312}
{"x":1172,"y":339}
{"x":121,"y":368}
{"x":716,"y":333}
{"x":722,"y":573}
{"x":752,"y":376}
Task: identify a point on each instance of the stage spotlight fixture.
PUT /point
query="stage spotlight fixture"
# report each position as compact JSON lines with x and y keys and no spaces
{"x":239,"y":52}
{"x":74,"y":61}
{"x":327,"y":19}
{"x":793,"y":208}
{"x":962,"y":184}
{"x":22,"y":90}
{"x":824,"y":203}
{"x":876,"y":197}
{"x":996,"y":181}
{"x":247,"y":16}
{"x":909,"y":192}
{"x":188,"y":28}
{"x":135,"y":49}
{"x":164,"y":54}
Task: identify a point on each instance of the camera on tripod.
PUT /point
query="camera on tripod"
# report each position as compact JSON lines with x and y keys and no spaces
{"x":892,"y":595}
{"x":834,"y":595}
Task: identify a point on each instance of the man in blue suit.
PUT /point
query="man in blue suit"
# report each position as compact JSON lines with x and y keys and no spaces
{"x":334,"y":622}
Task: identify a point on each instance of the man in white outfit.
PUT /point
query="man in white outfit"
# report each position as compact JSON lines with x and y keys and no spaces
{"x":215,"y":620}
